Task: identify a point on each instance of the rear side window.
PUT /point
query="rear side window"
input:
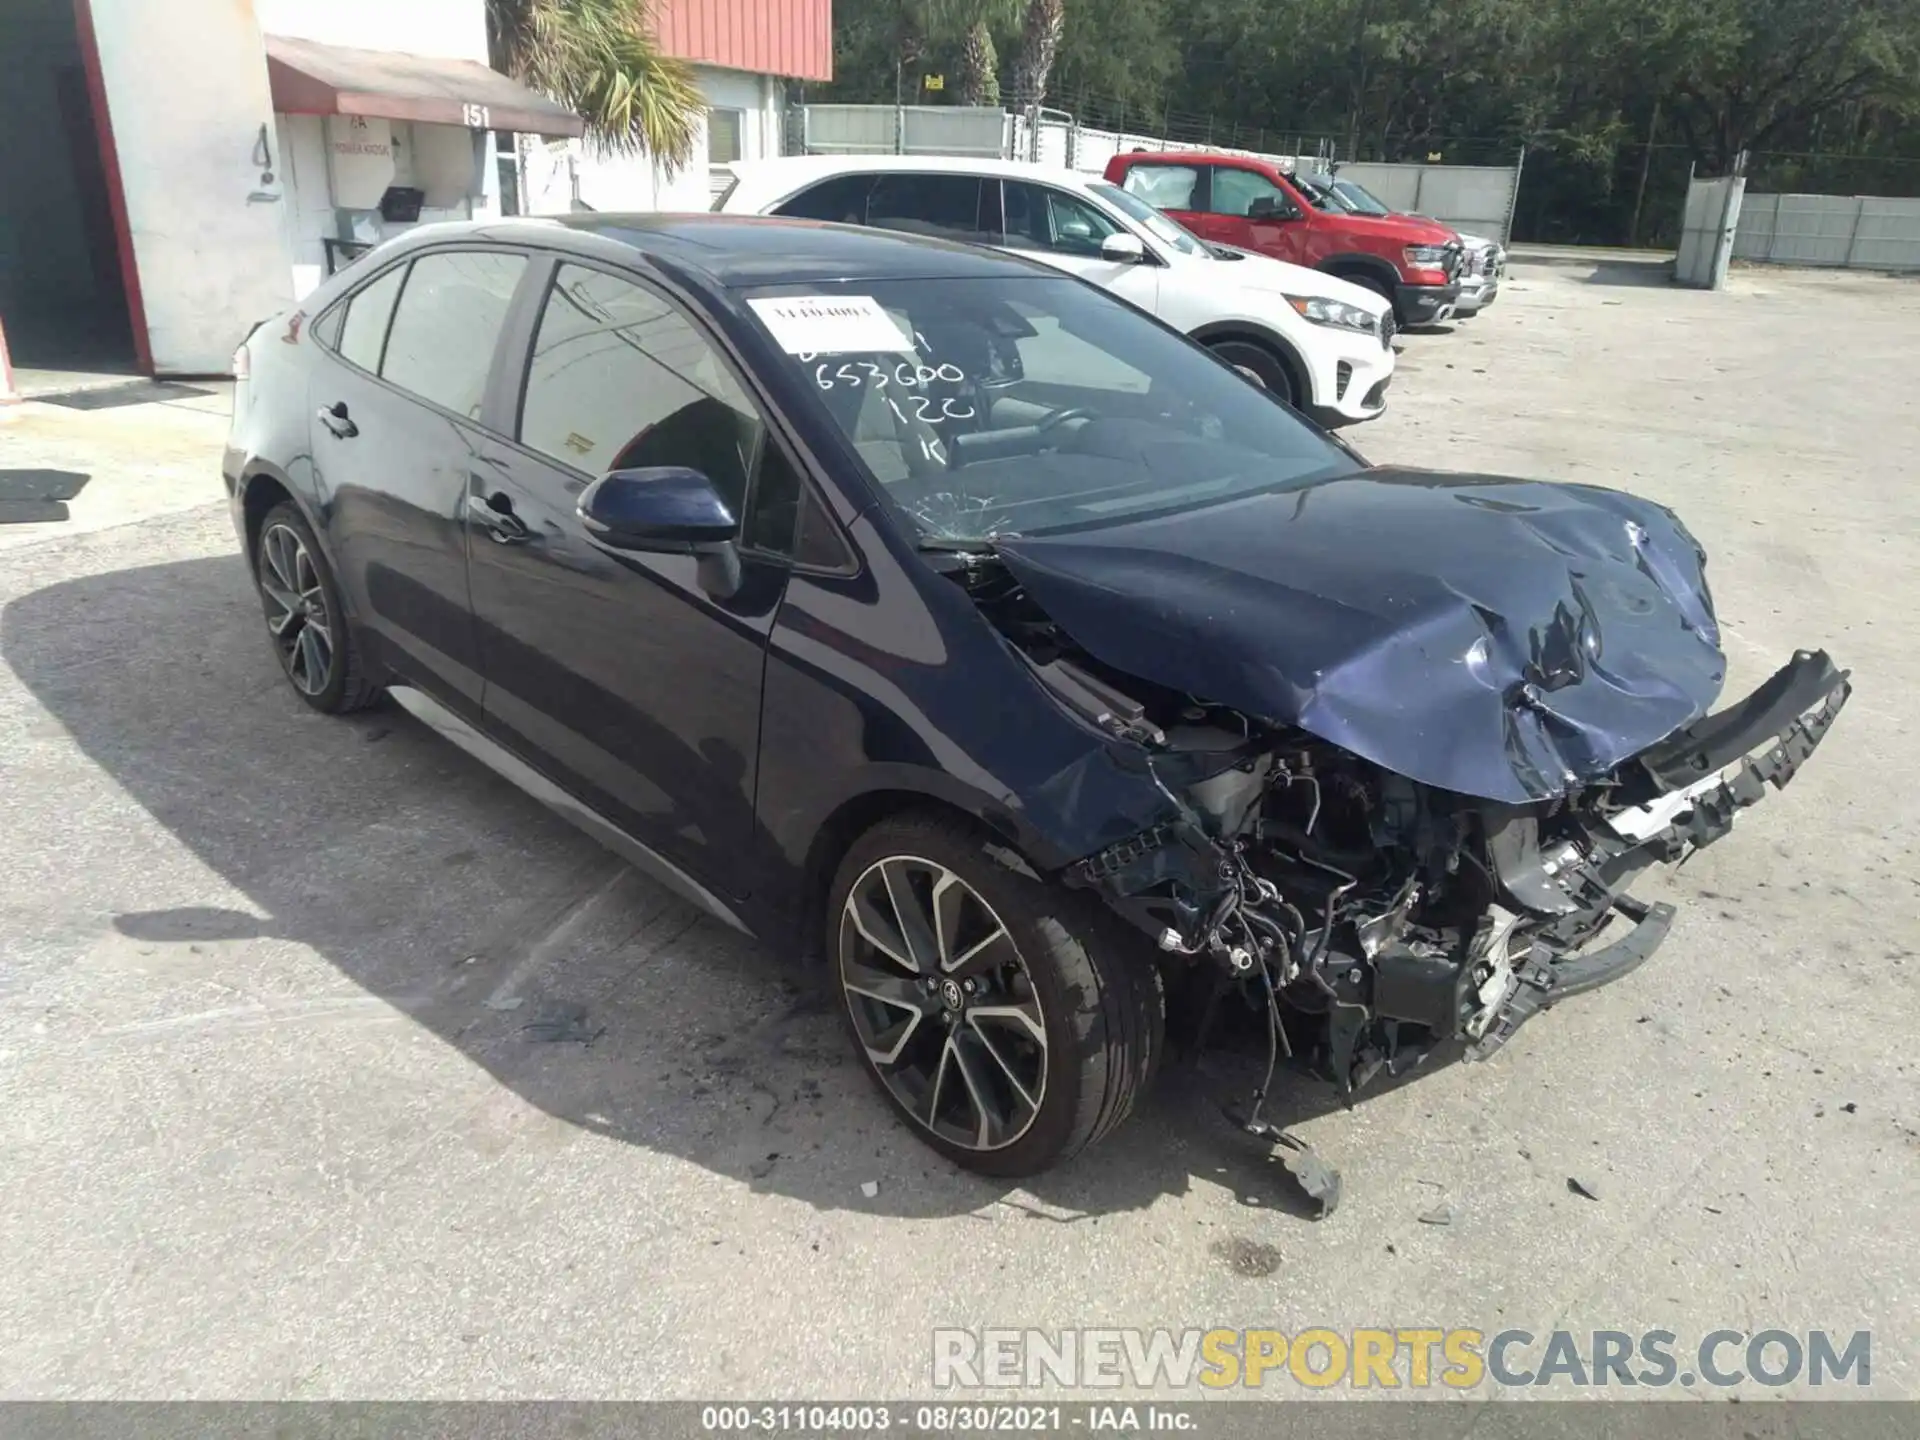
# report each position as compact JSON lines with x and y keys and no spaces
{"x":363,"y":333}
{"x":440,"y":346}
{"x":843,"y":199}
{"x":1165,"y":187}
{"x":948,"y":206}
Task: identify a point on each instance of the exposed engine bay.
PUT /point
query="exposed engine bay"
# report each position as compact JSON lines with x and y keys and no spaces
{"x":1371,"y":917}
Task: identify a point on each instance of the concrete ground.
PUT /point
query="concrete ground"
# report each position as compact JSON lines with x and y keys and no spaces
{"x":331,"y":1066}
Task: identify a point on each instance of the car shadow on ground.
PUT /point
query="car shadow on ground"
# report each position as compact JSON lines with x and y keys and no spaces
{"x":568,"y":977}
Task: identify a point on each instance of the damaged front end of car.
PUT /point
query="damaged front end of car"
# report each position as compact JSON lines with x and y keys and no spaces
{"x":1404,"y":789}
{"x":1401,"y":917}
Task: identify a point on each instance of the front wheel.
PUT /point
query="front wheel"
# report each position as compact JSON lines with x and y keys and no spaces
{"x":1261,"y":366}
{"x":1008,"y":1022}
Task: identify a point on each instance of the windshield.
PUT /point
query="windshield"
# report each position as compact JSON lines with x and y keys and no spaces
{"x":1359,"y":199}
{"x":1029,"y":406}
{"x":1163,"y":228}
{"x":1320,"y":193}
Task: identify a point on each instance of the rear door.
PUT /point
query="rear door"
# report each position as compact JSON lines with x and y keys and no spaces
{"x":396,"y":428}
{"x":617,"y":673}
{"x":1065,"y":230}
{"x":1179,"y":190}
{"x":951,"y":207}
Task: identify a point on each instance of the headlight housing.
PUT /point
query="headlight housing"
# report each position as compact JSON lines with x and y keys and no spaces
{"x":1426,"y":257}
{"x":1337,"y":313}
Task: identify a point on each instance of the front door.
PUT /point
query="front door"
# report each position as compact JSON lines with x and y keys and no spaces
{"x":1249,"y":211}
{"x":1065,"y":231}
{"x":617,"y":673}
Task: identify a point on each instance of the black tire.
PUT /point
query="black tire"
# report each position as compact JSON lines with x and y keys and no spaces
{"x":1098,"y":991}
{"x":1367,"y":280}
{"x":1260,"y":364}
{"x":340,"y":683}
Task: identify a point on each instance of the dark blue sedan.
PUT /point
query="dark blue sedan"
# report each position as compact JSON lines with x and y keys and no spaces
{"x":915,"y":607}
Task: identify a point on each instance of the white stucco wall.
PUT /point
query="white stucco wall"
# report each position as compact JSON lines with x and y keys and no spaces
{"x":311,"y":216}
{"x":635,"y":182}
{"x":187,"y":94}
{"x":452,"y":29}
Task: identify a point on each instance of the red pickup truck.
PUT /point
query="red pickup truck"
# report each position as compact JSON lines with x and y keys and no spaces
{"x":1254,"y":205}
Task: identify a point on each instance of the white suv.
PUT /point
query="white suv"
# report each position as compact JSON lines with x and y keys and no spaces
{"x":1323,"y":344}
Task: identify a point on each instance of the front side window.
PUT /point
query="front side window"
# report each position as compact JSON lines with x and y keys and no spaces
{"x":621,"y":380}
{"x":1165,"y":187}
{"x":1042,"y":218}
{"x":948,"y":206}
{"x":450,"y":315}
{"x":363,"y":331}
{"x":1236,"y":191}
{"x":990,"y":407}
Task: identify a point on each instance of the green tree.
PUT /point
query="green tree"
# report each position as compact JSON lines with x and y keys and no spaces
{"x":1040,"y":34}
{"x":598,"y":58}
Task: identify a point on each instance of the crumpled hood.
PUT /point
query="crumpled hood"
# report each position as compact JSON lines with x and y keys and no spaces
{"x":1509,"y":639}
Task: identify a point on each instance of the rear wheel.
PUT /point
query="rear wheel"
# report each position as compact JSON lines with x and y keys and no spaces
{"x":1260,"y":365}
{"x":305,"y":619}
{"x":1008,"y":1022}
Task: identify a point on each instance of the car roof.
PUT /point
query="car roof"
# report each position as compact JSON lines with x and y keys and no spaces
{"x":1201,"y":157}
{"x":806,"y":167}
{"x":744,"y":250}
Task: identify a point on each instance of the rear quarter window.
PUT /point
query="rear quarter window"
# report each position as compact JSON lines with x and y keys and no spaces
{"x":842,"y":199}
{"x":363,"y":328}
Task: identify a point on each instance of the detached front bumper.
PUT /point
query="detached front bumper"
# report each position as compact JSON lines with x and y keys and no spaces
{"x":1684,"y":794}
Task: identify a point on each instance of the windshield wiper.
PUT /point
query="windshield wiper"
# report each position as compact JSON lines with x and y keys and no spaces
{"x":947,"y":545}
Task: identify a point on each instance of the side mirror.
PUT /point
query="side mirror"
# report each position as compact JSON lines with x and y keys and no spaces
{"x":664,"y":508}
{"x":1123,"y":248}
{"x":1267,"y":207}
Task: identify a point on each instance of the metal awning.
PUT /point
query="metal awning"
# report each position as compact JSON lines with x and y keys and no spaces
{"x":308,"y":78}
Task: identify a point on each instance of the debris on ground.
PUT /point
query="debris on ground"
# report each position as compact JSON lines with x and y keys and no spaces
{"x":1582,"y":1188}
{"x":1850,"y":1108}
{"x":760,"y":1169}
{"x":559,"y":1024}
{"x":870,"y":1188}
{"x":1439,"y":1215}
{"x":1319,"y":1180}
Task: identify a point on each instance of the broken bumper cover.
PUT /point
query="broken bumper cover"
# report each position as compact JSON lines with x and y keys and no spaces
{"x":1701,"y":778}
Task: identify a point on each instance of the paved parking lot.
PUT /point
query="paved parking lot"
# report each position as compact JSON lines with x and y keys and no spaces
{"x":330,"y":1066}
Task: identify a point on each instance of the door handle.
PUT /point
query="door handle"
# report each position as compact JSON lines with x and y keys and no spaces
{"x":336,"y":419}
{"x":495,"y":513}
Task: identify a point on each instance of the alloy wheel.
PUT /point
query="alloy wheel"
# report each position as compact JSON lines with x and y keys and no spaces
{"x":943,"y":1003}
{"x":296,"y":605}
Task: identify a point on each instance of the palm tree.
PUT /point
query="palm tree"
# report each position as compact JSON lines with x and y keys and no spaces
{"x":1040,"y":36}
{"x":599,"y":58}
